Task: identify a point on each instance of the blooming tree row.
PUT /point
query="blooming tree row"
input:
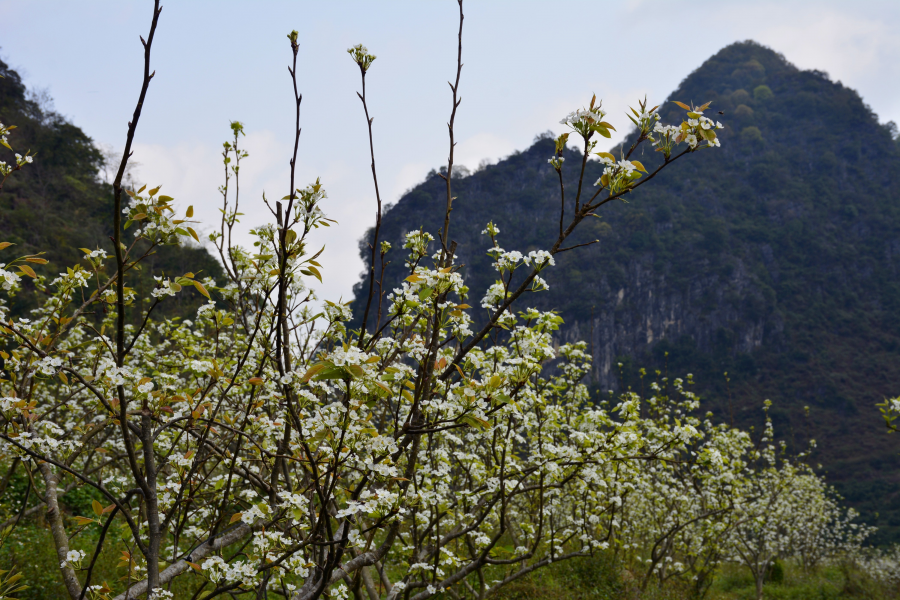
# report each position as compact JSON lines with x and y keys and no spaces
{"x":269,"y":444}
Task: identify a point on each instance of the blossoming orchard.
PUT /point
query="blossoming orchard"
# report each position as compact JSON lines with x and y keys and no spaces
{"x":268,"y":446}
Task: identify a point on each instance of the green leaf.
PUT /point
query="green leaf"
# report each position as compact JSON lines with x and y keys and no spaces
{"x":387,"y":390}
{"x":474,"y":421}
{"x":312,"y":371}
{"x":332,"y":373}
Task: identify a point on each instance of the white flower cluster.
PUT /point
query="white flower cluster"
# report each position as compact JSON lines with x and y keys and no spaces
{"x":49,"y":365}
{"x":217,"y":570}
{"x":74,"y":278}
{"x":582,"y":119}
{"x":8,"y":279}
{"x":163,"y":288}
{"x":491,"y":230}
{"x":21,"y":161}
{"x":4,"y":132}
{"x":73,"y":559}
{"x":540,"y":258}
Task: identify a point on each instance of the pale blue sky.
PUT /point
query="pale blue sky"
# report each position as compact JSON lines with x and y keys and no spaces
{"x":527,"y":63}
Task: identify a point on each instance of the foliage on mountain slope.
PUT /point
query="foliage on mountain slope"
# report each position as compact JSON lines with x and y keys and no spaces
{"x":59,"y":203}
{"x":774,"y":260}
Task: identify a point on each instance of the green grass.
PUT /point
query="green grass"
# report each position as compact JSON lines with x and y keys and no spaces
{"x":30,"y":548}
{"x":601,"y":578}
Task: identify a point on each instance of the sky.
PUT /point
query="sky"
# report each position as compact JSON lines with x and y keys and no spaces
{"x":526,"y":64}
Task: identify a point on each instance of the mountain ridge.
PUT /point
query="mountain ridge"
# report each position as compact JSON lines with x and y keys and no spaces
{"x":774,"y":258}
{"x":58,"y":203}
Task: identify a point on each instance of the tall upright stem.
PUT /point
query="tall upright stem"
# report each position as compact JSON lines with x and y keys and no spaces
{"x":362,"y":333}
{"x":147,"y":484}
{"x":282,"y":339}
{"x":447,"y":257}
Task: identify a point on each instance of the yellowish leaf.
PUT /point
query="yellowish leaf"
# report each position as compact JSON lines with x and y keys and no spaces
{"x":190,"y":211}
{"x":193,"y":233}
{"x":200,"y":288}
{"x":235,"y":517}
{"x":27,"y":270}
{"x":4,"y":245}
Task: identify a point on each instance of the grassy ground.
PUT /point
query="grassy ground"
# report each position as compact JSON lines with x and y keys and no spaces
{"x":600,"y":579}
{"x":30,"y":549}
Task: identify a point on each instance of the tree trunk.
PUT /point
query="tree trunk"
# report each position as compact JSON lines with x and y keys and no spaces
{"x":58,"y":530}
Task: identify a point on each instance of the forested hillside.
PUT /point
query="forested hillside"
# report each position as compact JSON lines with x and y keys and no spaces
{"x":59,"y":204}
{"x":775,"y":259}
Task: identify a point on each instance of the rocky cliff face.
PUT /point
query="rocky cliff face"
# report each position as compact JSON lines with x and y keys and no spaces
{"x":774,"y":259}
{"x":628,"y":321}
